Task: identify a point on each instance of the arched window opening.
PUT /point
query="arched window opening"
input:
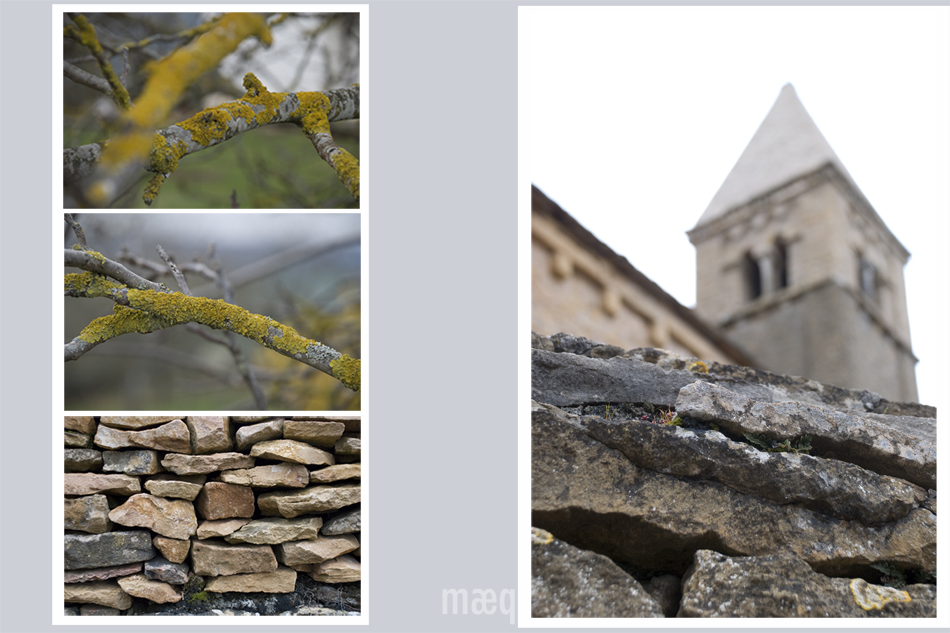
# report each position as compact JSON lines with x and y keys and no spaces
{"x":753,"y":277}
{"x":781,"y":264}
{"x":867,"y":277}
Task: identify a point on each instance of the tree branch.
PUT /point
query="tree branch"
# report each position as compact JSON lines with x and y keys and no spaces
{"x":86,"y":35}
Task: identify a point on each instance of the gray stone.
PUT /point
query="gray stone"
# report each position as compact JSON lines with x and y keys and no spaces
{"x":593,"y":497}
{"x":173,"y":489}
{"x":344,"y":523}
{"x":81,"y":460}
{"x":347,"y":446}
{"x":312,"y":500}
{"x":172,"y":436}
{"x":274,"y":530}
{"x":162,"y":569}
{"x":87,"y":514}
{"x":136,"y":462}
{"x":783,"y":586}
{"x":204,"y":464}
{"x":567,"y":582}
{"x":848,"y":437}
{"x":88,"y":551}
{"x":831,"y":487}
{"x":84,"y":424}
{"x":75,"y":439}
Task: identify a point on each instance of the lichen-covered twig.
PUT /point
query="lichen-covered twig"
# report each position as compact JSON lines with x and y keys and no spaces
{"x":147,"y":307}
{"x":85,"y":33}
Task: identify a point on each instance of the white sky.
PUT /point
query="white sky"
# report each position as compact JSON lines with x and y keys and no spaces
{"x":637,"y":114}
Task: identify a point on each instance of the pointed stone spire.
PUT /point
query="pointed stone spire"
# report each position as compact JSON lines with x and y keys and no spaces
{"x":787,"y":145}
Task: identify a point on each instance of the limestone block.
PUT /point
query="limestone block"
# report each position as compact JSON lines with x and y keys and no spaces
{"x":212,"y":558}
{"x":172,"y":436}
{"x":347,"y":446}
{"x":283,"y":580}
{"x":342,"y":569}
{"x":343,"y":523}
{"x":173,"y":489}
{"x":315,"y":432}
{"x":175,"y":550}
{"x":93,"y":483}
{"x":315,"y":551}
{"x":87,"y":514}
{"x":285,"y":475}
{"x":88,"y":551}
{"x":172,"y":518}
{"x":337,"y":472}
{"x":135,"y":422}
{"x":210,"y":434}
{"x":784,"y":586}
{"x":292,"y":451}
{"x":312,"y":500}
{"x":220,"y":527}
{"x":247,"y":436}
{"x":81,"y":460}
{"x":107,"y":593}
{"x":74,"y":439}
{"x":274,"y":530}
{"x":156,"y":591}
{"x":219,"y":500}
{"x":351,"y":424}
{"x":84,"y":424}
{"x":567,"y":582}
{"x":204,"y":464}
{"x":137,"y":462}
{"x":101,"y":573}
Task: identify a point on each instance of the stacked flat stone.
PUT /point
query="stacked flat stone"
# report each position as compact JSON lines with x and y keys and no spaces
{"x":246,"y":503}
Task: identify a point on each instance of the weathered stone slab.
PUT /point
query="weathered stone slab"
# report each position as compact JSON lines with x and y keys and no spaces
{"x":204,"y":464}
{"x":343,"y":523}
{"x":281,"y":581}
{"x":219,"y":500}
{"x":87,"y":514}
{"x":315,"y":551}
{"x":212,"y":558}
{"x":312,"y":500}
{"x":101,"y":573}
{"x":347,"y":446}
{"x":164,"y":570}
{"x":849,"y":437}
{"x":351,"y":424}
{"x":247,"y":436}
{"x":220,"y":527}
{"x":94,"y":483}
{"x":567,"y":582}
{"x":315,"y":432}
{"x":337,"y":472}
{"x":75,"y":439}
{"x":209,"y":434}
{"x":81,"y":460}
{"x":593,"y":497}
{"x":140,"y":586}
{"x":175,"y":550}
{"x":173,"y":489}
{"x":172,"y":518}
{"x":107,"y":593}
{"x":172,"y":436}
{"x":137,"y":462}
{"x":136,"y":422}
{"x":292,"y":451}
{"x":248,"y":419}
{"x":84,"y":424}
{"x":285,"y":475}
{"x":783,"y":586}
{"x":274,"y":530}
{"x":342,"y":569}
{"x":88,"y":551}
{"x":831,"y":487}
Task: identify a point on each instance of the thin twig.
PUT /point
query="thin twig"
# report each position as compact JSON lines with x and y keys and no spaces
{"x":80,"y":236}
{"x":180,"y":278}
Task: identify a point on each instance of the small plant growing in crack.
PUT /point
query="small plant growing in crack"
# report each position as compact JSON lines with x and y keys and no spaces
{"x":761,"y":442}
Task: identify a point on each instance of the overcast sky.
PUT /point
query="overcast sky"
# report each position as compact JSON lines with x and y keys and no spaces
{"x":635,"y":115}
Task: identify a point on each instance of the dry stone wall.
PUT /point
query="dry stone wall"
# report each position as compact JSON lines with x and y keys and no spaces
{"x":709,"y":490}
{"x":191,"y":510}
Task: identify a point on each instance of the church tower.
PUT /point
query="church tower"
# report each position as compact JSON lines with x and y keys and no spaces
{"x":798,"y":269}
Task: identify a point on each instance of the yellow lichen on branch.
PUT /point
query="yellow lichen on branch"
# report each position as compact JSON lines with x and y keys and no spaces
{"x":85,"y":33}
{"x":347,"y":370}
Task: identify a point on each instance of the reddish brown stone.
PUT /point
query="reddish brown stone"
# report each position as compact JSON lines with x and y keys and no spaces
{"x":218,"y":500}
